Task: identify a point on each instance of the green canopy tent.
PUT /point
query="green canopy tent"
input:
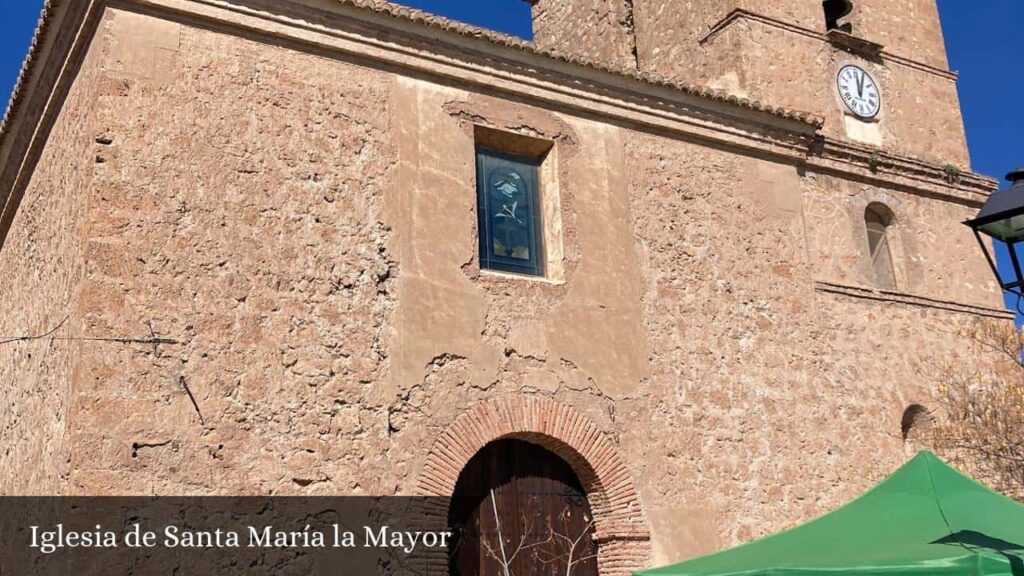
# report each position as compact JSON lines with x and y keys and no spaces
{"x":924,"y":519}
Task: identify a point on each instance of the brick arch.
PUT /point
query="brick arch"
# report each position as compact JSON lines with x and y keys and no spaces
{"x":620,"y":527}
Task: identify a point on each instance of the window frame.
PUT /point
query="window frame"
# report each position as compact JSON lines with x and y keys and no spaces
{"x":878,"y":221}
{"x":536,"y":265}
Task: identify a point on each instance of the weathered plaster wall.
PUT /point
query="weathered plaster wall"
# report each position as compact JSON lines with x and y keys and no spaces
{"x":312,"y":248}
{"x":237,"y":210}
{"x":304,"y":227}
{"x":41,"y":270}
{"x":268,"y":242}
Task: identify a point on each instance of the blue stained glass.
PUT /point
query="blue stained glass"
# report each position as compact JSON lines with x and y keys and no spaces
{"x":508,"y":210}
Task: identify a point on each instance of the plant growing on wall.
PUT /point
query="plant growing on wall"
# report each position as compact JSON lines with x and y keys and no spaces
{"x":952,"y":172}
{"x":981,"y":418}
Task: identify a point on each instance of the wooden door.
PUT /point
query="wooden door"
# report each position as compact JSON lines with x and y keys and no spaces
{"x":520,"y":506}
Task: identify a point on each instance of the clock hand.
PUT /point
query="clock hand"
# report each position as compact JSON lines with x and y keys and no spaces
{"x":860,"y":85}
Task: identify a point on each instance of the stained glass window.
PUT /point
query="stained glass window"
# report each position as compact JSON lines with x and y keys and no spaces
{"x":509,"y":213}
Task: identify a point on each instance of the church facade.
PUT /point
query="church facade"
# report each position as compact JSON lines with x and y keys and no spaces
{"x":705,"y":253}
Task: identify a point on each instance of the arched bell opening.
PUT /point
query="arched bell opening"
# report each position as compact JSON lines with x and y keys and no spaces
{"x":835,"y":11}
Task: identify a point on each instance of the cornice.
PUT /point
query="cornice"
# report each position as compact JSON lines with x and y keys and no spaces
{"x":913,"y":175}
{"x":62,"y":36}
{"x":46,"y":17}
{"x":422,"y":18}
{"x":497,"y":63}
{"x":875,"y":50}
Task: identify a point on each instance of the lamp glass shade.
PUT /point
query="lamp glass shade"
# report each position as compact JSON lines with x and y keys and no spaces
{"x":1002,"y":216}
{"x":1010,"y":229}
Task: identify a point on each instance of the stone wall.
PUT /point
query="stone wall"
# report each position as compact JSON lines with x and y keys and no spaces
{"x":909,"y":28}
{"x":777,"y":52}
{"x":601,"y":30}
{"x":770,"y":402}
{"x":239,"y":214}
{"x":921,"y":229}
{"x":303,"y":227}
{"x":41,"y":272}
{"x":763,"y":61}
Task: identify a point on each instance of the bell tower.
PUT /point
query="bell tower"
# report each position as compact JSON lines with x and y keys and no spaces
{"x":876,"y":70}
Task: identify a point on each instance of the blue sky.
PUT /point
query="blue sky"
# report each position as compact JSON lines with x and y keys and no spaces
{"x":982,"y":38}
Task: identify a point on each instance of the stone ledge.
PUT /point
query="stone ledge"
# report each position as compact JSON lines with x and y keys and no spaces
{"x":910,"y":300}
{"x":900,"y":171}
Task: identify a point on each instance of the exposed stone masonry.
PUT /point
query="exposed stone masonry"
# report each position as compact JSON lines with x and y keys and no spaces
{"x":300,"y":220}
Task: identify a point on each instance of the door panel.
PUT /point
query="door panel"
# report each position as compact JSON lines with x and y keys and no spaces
{"x":534,"y":501}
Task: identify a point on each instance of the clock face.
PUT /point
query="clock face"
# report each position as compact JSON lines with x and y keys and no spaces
{"x":859,"y":91}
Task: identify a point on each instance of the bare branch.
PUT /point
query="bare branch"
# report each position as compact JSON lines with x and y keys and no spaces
{"x":983,"y":410}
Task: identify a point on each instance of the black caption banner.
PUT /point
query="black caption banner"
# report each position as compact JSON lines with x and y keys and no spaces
{"x":357,"y":536}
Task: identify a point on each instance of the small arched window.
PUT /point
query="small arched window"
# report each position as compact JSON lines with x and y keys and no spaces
{"x":836,"y":10}
{"x":877,"y":220}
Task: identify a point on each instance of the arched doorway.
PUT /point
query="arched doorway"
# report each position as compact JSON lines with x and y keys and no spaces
{"x":621,"y":531}
{"x":520,"y":509}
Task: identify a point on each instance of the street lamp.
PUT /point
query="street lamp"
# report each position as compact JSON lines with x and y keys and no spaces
{"x":1002,"y":218}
